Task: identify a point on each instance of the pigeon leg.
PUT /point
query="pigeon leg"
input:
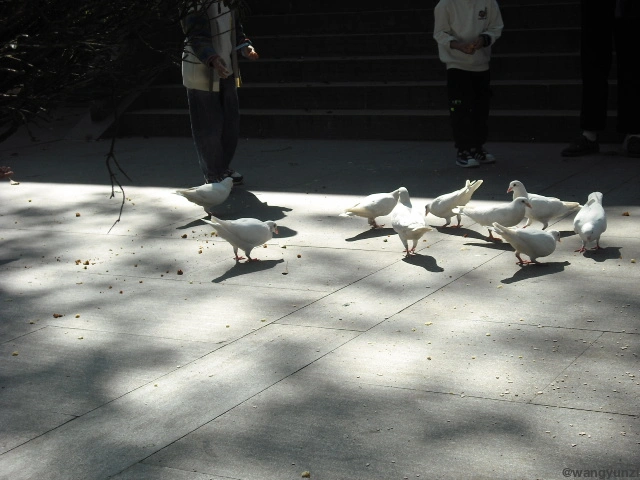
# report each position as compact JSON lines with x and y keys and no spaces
{"x":581,"y":249}
{"x":597,"y":247}
{"x":492,"y":238}
{"x":522,"y":262}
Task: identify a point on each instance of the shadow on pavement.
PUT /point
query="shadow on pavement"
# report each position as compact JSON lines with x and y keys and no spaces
{"x":606,"y":253}
{"x":244,"y":268}
{"x":371,"y":233}
{"x":425,"y":261}
{"x":527,"y":272}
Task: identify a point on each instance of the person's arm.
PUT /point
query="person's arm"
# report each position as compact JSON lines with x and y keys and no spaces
{"x":197,"y":28}
{"x":441,"y":27}
{"x":495,"y":26}
{"x":247,"y":51}
{"x":442,"y":31}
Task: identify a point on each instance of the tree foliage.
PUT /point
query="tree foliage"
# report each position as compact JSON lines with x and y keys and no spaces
{"x":54,"y":53}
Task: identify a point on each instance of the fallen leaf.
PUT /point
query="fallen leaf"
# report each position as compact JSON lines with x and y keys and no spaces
{"x":306,"y":475}
{"x":77,"y":214}
{"x":58,"y":315}
{"x":184,"y":236}
{"x":625,"y":214}
{"x":180,"y":272}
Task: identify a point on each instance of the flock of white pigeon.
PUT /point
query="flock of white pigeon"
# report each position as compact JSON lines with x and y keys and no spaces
{"x":411,"y":225}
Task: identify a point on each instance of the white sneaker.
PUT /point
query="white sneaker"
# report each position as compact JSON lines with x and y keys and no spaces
{"x":466,"y":160}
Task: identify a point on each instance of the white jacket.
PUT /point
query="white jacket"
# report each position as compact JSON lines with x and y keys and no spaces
{"x":219,"y":39}
{"x":465,"y":20}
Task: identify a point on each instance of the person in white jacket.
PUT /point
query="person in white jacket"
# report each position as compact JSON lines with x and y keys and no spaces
{"x":465,"y":30}
{"x":210,"y":73}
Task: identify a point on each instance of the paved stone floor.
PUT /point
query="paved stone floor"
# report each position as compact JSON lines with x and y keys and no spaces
{"x":139,"y":349}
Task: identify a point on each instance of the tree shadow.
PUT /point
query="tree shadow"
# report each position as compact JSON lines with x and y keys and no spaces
{"x":427,"y":262}
{"x":244,"y":268}
{"x":527,"y":272}
{"x":4,"y":261}
{"x":371,"y":233}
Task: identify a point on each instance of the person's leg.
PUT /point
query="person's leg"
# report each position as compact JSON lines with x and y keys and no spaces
{"x":480,"y":115}
{"x":596,"y":45}
{"x":460,"y":93}
{"x":628,"y":121}
{"x":205,"y":112}
{"x":596,"y":51}
{"x":231,"y":120}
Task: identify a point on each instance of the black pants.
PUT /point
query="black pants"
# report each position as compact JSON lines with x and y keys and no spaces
{"x":469,"y":97}
{"x":601,"y":32}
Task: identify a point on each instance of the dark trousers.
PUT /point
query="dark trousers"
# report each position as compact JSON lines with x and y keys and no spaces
{"x":601,"y":33}
{"x":215,"y":125}
{"x":469,"y":97}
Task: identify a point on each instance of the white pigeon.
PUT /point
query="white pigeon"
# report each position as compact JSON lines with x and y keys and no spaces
{"x":244,"y":233}
{"x":591,"y":221}
{"x":533,"y":242}
{"x":507,"y":214}
{"x":208,"y":195}
{"x":543,"y":209}
{"x":372,"y":206}
{"x":443,"y":205}
{"x":409,"y":225}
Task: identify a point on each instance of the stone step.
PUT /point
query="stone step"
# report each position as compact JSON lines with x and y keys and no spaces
{"x":540,"y":95}
{"x":356,"y":69}
{"x":304,"y":6}
{"x":384,"y":20}
{"x":431,"y":125}
{"x":396,"y":68}
{"x":565,"y":40}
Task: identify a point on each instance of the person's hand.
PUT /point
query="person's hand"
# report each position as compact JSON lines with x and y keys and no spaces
{"x":250,"y":53}
{"x":465,"y":47}
{"x":220,"y":67}
{"x":478,"y":43}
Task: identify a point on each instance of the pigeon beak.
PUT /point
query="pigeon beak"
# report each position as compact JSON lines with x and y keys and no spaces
{"x":528,"y":204}
{"x":276,"y":230}
{"x":510,"y":190}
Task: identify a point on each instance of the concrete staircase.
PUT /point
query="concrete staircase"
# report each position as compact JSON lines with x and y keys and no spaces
{"x":354,"y":69}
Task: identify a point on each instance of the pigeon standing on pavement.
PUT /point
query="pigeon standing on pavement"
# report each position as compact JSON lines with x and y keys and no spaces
{"x":244,"y":233}
{"x":208,"y":195}
{"x":543,"y":209}
{"x":372,"y":206}
{"x":532,"y":242}
{"x":506,"y":214}
{"x":443,"y":205}
{"x":409,"y":225}
{"x":591,"y":221}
